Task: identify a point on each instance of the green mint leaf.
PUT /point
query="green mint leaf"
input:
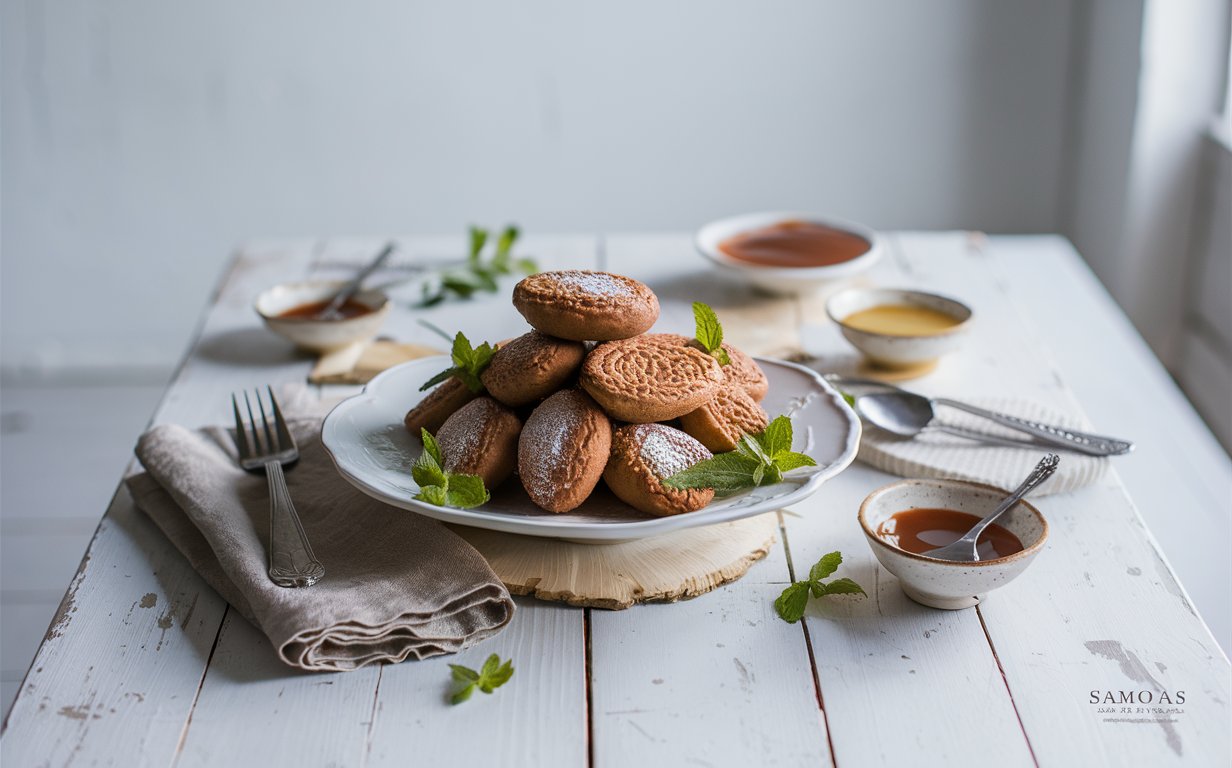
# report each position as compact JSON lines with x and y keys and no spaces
{"x":431,"y":447}
{"x":748,"y":446}
{"x":844,"y":587}
{"x":851,"y":401}
{"x":438,"y":378}
{"x":776,"y":437}
{"x":489,"y":666}
{"x":502,"y":674}
{"x":463,"y":694}
{"x":709,"y":332}
{"x":790,"y":460}
{"x":465,"y":491}
{"x":426,"y":471}
{"x":508,"y":236}
{"x":790,"y":605}
{"x":773,"y":475}
{"x":759,"y":474}
{"x":464,"y":674}
{"x":462,"y":283}
{"x":478,"y":237}
{"x":432,"y":494}
{"x":526,"y":266}
{"x":470,"y":362}
{"x":725,"y":473}
{"x":827,"y":565}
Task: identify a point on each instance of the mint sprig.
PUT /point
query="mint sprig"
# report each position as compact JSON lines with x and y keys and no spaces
{"x":441,"y":488}
{"x":791,"y":604}
{"x":479,"y":274}
{"x":758,"y":460}
{"x":468,"y":363}
{"x":709,"y":332}
{"x":491,"y":675}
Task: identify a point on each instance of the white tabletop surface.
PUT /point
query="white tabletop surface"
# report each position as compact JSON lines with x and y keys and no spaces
{"x":145,"y":665}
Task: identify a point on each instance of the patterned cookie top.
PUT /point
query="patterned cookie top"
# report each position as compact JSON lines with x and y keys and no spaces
{"x":583,"y":288}
{"x":649,"y":378}
{"x":643,"y":456}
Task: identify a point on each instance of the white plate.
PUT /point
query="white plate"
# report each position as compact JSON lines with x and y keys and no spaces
{"x":374,"y":452}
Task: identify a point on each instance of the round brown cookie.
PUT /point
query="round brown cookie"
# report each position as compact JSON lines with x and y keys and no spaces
{"x":584,"y":305}
{"x":649,"y":378}
{"x":481,"y":438}
{"x":439,"y":404}
{"x":745,"y":371}
{"x":743,"y":368}
{"x":719,"y":423}
{"x":531,"y":367}
{"x":643,"y":455}
{"x":563,"y":450}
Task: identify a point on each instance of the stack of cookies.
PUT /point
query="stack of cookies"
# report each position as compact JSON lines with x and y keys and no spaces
{"x":589,"y":395}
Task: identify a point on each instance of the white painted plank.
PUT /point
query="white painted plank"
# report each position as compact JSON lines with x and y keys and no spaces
{"x":115,"y":680}
{"x":719,"y":679}
{"x":1178,"y":476}
{"x":537,"y":719}
{"x":1100,"y":587}
{"x":254,"y":710}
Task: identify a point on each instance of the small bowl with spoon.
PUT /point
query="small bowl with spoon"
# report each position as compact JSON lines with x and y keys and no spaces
{"x":324,"y":315}
{"x":929,"y":533}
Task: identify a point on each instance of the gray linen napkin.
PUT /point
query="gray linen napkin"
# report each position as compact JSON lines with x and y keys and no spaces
{"x":396,"y":585}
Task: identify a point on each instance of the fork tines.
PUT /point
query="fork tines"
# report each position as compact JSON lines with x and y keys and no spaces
{"x":248,"y":437}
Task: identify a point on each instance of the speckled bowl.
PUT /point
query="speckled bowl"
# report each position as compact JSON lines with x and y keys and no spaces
{"x":943,"y":583}
{"x":320,"y":335}
{"x":893,"y":350}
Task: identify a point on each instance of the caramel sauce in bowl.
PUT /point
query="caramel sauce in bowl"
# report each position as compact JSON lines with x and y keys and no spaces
{"x":289,"y":310}
{"x":899,"y":328}
{"x":788,"y":252}
{"x":930,"y":507}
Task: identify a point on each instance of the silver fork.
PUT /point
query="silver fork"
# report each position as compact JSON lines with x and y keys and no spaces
{"x":291,"y":561}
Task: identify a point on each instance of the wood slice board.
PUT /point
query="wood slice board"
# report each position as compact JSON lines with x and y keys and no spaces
{"x":675,"y":566}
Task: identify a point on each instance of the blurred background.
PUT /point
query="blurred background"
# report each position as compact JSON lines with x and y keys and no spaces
{"x":141,"y":142}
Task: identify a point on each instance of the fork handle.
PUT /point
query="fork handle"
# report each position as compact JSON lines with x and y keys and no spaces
{"x":292,"y":563}
{"x":1083,"y":442}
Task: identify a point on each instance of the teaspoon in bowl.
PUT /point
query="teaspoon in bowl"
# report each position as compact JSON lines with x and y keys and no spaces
{"x":964,"y":550}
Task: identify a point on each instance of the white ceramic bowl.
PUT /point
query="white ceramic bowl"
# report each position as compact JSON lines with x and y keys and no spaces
{"x":783,"y":280}
{"x":894,"y":351}
{"x":943,"y":583}
{"x":320,"y":335}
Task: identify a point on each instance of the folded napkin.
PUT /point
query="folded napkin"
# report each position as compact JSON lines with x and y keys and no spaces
{"x":396,"y":585}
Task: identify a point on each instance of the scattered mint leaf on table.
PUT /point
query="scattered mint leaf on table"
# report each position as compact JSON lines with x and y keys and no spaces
{"x":468,"y":363}
{"x":492,"y":675}
{"x":758,"y":460}
{"x":791,"y":603}
{"x":441,"y":488}
{"x":478,"y":274}
{"x":709,"y":332}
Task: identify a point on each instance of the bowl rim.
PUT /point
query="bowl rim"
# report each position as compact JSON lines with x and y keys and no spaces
{"x":381,"y":306}
{"x":758,"y":219}
{"x":957,"y":328}
{"x":871,"y":535}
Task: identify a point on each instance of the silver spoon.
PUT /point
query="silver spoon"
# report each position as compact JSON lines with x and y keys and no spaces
{"x":908,"y":414}
{"x":330,"y":312}
{"x":964,"y":550}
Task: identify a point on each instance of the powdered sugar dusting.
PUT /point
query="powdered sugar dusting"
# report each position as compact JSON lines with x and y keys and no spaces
{"x":551,"y":430}
{"x":593,"y":283}
{"x":667,"y":451}
{"x":462,"y":433}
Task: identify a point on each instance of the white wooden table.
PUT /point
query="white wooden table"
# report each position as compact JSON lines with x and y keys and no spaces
{"x":145,"y":665}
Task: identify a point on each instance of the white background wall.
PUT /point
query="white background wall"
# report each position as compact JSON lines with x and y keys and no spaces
{"x":143,"y":140}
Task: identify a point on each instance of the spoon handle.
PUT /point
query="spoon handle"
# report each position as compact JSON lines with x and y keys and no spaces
{"x":1083,"y":442}
{"x":1042,"y":472}
{"x":349,"y":290}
